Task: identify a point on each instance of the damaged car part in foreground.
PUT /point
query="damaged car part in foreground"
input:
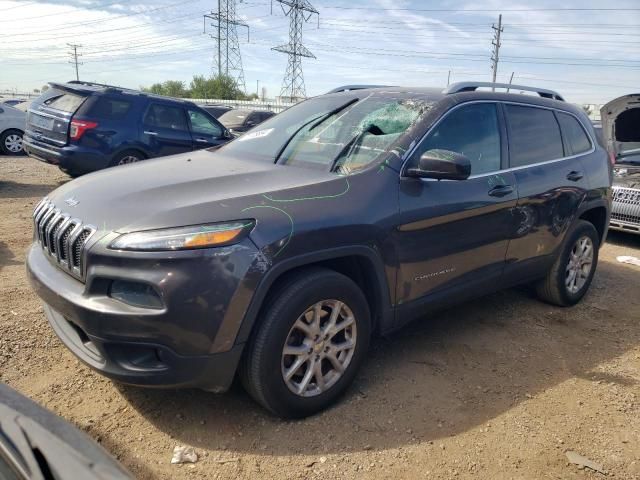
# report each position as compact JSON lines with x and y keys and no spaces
{"x":36,"y":444}
{"x":277,"y":256}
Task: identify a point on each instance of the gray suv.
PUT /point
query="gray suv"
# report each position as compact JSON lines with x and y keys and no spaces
{"x":278,"y":255}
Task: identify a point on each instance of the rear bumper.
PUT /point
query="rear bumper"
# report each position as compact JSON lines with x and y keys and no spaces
{"x":70,"y":158}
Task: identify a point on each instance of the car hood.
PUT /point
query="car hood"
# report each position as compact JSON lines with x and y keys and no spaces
{"x":626,"y":176}
{"x":186,"y":189}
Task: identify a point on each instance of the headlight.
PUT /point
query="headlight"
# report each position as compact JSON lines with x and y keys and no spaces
{"x":184,"y":238}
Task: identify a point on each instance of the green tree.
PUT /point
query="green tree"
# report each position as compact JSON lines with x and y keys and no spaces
{"x":156,"y":88}
{"x":222,"y":87}
{"x":174,"y":88}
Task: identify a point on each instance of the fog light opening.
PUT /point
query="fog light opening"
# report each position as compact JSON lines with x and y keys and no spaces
{"x":135,"y":294}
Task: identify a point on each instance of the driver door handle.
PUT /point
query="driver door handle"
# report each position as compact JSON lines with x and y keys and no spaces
{"x":574,"y":176}
{"x":202,"y":140}
{"x":501,"y":191}
{"x":150,"y":132}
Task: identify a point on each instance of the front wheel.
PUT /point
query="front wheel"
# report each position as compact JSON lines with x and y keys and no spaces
{"x":310,"y":343}
{"x":572,"y":272}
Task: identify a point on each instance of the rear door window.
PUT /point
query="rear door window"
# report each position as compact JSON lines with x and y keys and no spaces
{"x":534,"y":135}
{"x":166,"y":116}
{"x":575,"y":136}
{"x":109,"y":108}
{"x":66,"y":102}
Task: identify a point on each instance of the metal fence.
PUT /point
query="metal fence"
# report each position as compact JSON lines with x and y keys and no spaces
{"x":271,"y":105}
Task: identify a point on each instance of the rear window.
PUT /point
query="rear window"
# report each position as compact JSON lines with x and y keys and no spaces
{"x":534,"y":135}
{"x":66,"y":102}
{"x":574,"y":134}
{"x":109,"y":108}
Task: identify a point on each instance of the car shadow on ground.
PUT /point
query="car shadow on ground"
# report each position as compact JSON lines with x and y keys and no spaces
{"x":10,"y":189}
{"x":622,"y":239}
{"x":438,"y":377}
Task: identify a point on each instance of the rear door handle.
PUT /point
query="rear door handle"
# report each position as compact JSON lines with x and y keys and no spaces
{"x":574,"y":176}
{"x":202,"y":140}
{"x":501,"y":191}
{"x":149,"y":132}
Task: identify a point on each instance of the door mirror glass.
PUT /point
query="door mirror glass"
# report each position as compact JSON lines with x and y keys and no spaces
{"x":442,"y":165}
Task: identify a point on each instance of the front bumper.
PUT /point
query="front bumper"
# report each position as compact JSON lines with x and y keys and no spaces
{"x":184,"y":344}
{"x":625,"y":210}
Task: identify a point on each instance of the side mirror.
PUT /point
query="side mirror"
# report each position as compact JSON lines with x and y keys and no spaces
{"x":442,"y":165}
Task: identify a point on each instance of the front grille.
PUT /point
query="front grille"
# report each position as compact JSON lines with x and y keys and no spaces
{"x":626,"y":205}
{"x":63,"y":238}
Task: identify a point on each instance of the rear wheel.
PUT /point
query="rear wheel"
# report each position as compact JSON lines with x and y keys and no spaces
{"x":571,"y":274}
{"x":11,"y":142}
{"x":310,"y":343}
{"x":126,"y":157}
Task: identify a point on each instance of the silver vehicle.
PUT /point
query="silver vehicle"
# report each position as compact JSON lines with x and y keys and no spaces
{"x":12,"y":123}
{"x":621,"y":132}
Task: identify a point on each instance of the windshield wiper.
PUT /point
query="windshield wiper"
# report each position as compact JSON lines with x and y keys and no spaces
{"x":318,"y":121}
{"x":350,"y":145}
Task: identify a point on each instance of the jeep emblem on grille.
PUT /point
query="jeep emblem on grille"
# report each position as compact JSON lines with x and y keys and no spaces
{"x":72,"y":202}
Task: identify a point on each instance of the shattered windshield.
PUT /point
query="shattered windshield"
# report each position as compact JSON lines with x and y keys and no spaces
{"x":335,"y":133}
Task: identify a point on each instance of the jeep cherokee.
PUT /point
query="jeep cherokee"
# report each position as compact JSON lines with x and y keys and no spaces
{"x":280,"y":254}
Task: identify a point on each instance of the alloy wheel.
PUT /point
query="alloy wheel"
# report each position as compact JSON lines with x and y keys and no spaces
{"x":579,"y":265}
{"x":128,"y":159}
{"x":319,"y":348}
{"x":13,"y":143}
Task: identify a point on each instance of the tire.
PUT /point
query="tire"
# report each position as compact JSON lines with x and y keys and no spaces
{"x":265,"y":363}
{"x":559,"y":287}
{"x":11,"y":142}
{"x":126,"y":157}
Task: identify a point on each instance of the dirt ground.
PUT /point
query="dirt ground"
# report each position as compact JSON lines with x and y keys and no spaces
{"x":500,"y":387}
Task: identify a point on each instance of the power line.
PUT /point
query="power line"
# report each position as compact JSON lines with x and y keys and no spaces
{"x":462,"y":10}
{"x":299,"y":12}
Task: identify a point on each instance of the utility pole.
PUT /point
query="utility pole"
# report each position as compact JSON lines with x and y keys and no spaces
{"x":299,"y":12}
{"x":258,"y":88}
{"x":448,"y":77}
{"x":74,"y":57}
{"x":228,"y":60}
{"x":495,"y":56}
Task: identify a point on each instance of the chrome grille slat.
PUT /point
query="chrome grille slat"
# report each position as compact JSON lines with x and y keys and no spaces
{"x":626,"y":204}
{"x":64,"y":239}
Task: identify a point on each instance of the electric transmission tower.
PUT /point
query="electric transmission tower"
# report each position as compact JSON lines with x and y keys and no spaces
{"x":74,"y":57}
{"x":299,"y":12}
{"x":227,"y":59}
{"x":495,"y":55}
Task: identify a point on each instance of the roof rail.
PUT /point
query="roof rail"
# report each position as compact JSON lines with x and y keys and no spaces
{"x":473,"y":86}
{"x":346,"y":88}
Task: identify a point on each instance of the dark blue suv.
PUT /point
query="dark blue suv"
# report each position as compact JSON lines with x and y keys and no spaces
{"x":83,"y":127}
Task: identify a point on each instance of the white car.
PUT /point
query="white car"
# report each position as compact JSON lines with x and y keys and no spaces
{"x":12,"y":124}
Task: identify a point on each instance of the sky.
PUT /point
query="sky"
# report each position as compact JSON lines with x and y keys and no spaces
{"x":587,"y":50}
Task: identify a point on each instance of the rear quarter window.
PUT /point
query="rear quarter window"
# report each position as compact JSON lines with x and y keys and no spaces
{"x":65,"y":102}
{"x":534,"y":135}
{"x":109,"y":108}
{"x":575,"y":136}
